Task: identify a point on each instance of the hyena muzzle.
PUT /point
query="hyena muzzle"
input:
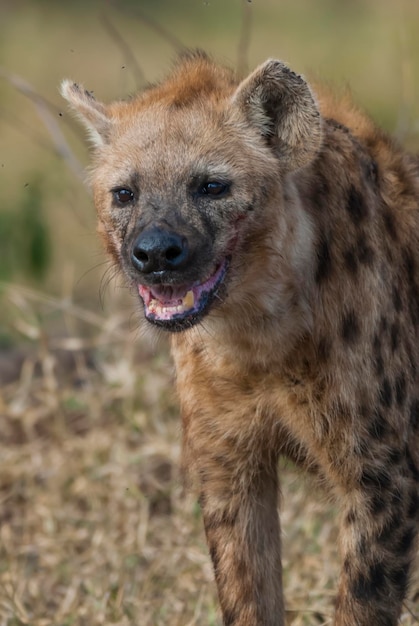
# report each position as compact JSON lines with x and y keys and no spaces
{"x":276,"y":234}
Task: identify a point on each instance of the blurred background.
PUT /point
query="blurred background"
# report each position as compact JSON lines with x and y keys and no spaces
{"x":114,"y":48}
{"x":94,"y":525}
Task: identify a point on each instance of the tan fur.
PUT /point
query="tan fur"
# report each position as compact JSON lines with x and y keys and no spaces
{"x":309,"y":347}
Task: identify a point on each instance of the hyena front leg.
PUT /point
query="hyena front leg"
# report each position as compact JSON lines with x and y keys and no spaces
{"x":242,"y":529}
{"x":239,"y":497}
{"x":378,"y":537}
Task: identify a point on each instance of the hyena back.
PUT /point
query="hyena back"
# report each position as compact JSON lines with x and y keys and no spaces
{"x":276,"y":234}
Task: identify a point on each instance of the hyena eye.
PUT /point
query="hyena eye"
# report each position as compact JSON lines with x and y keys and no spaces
{"x":214,"y":188}
{"x":123,"y":195}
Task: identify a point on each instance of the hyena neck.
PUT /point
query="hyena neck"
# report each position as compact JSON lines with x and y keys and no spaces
{"x":273,"y":288}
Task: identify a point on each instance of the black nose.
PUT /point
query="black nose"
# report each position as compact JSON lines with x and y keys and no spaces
{"x":158,"y":250}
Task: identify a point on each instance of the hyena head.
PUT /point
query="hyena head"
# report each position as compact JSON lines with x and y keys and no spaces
{"x":187,"y":178}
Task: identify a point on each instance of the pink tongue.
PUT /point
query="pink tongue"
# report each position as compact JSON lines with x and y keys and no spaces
{"x":168,"y":293}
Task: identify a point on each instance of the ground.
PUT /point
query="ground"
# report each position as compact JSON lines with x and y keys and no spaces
{"x":95,"y":526}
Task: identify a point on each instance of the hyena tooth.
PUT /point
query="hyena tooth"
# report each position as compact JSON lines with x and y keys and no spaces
{"x":189,"y":300}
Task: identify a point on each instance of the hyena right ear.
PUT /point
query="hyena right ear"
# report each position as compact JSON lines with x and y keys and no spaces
{"x":92,"y":113}
{"x":282,"y":107}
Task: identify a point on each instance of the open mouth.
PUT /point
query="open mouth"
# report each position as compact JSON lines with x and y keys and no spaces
{"x":176,"y":307}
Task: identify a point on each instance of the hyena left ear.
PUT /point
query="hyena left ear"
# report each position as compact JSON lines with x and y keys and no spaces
{"x":281,"y":105}
{"x":92,"y":113}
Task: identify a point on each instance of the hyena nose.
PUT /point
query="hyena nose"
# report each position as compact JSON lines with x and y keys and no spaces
{"x":158,"y":250}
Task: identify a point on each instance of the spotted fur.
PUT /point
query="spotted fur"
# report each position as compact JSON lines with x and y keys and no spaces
{"x":309,"y":347}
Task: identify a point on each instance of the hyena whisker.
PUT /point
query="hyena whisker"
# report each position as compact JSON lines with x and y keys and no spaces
{"x":110,"y":274}
{"x":105,"y":262}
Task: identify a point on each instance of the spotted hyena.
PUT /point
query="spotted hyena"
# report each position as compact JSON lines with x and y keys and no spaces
{"x":275,"y":233}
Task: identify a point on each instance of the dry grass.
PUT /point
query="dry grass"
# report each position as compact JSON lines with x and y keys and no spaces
{"x":95,"y":527}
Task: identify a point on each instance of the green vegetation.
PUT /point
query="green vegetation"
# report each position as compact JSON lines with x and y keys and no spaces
{"x":24,"y":236}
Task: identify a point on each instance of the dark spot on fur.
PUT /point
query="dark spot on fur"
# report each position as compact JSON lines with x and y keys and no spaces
{"x":245,"y":386}
{"x":414,"y":306}
{"x":355,"y":205}
{"x":364,"y":411}
{"x":362,"y":448}
{"x":378,"y":503}
{"x":366,"y":587}
{"x":400,"y":389}
{"x":378,"y":359}
{"x":376,"y":478}
{"x":406,"y":541}
{"x":201,"y":499}
{"x":335,"y":125}
{"x":229,"y":617}
{"x":351,"y":517}
{"x":414,"y":415}
{"x":412,"y":361}
{"x":372,"y":172}
{"x":390,"y":223}
{"x":323,"y":349}
{"x":351,"y":261}
{"x":362,"y":546}
{"x":389,"y":528}
{"x":409,"y":266}
{"x":214,"y":557}
{"x":320,"y":193}
{"x":395,"y":336}
{"x":410,"y":270}
{"x":343,"y":412}
{"x":377,"y":345}
{"x":361,"y":587}
{"x":414,"y":471}
{"x":386,"y":393}
{"x":324,"y":263}
{"x":399,"y":576}
{"x":384,"y":619}
{"x":365,"y":252}
{"x":413,"y":300}
{"x":350,"y":328}
{"x":394,"y":456}
{"x":378,"y":427}
{"x":397,"y":498}
{"x":397,"y":299}
{"x":383,"y":324}
{"x":413,"y":509}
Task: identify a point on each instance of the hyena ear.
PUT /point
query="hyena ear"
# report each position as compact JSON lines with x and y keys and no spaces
{"x":92,"y":113}
{"x":281,"y":105}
